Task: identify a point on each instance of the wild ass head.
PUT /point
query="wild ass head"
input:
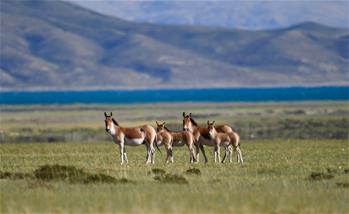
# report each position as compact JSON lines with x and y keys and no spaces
{"x":160,"y":126}
{"x":188,"y":122}
{"x":211,"y":127}
{"x":110,"y":123}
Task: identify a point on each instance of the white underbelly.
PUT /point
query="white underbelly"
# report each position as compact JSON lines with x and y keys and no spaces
{"x":134,"y":142}
{"x":206,"y":142}
{"x":159,"y":142}
{"x":178,"y":143}
{"x":225,"y":143}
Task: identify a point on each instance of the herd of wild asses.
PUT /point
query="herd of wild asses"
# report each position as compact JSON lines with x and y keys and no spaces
{"x":192,"y":135}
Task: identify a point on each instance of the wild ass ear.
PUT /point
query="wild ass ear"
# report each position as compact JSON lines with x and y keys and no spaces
{"x":105,"y":114}
{"x":208,"y":122}
{"x":213,"y":122}
{"x":163,"y":123}
{"x":183,"y":114}
{"x":189,"y":114}
{"x":157,"y":123}
{"x":111,"y":113}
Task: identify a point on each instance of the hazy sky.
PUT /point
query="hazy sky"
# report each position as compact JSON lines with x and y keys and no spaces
{"x":232,"y":14}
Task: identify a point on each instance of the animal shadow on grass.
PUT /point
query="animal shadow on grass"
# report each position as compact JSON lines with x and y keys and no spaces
{"x":332,"y":171}
{"x":316,"y":176}
{"x":337,"y":171}
{"x":157,"y":171}
{"x":102,"y":178}
{"x":193,"y":171}
{"x":343,"y":185}
{"x":74,"y":175}
{"x":59,"y":172}
{"x":171,"y":179}
{"x":15,"y":175}
{"x":64,"y":173}
{"x":163,"y":177}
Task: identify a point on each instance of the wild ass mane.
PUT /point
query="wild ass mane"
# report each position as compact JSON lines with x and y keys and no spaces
{"x":115,"y":123}
{"x":193,"y":122}
{"x":167,"y":129}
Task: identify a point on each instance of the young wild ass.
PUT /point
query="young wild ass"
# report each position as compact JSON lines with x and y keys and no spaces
{"x":227,"y":140}
{"x":201,"y":134}
{"x":134,"y":136}
{"x":173,"y":139}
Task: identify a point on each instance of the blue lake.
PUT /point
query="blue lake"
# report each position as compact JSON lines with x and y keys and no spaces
{"x":177,"y":95}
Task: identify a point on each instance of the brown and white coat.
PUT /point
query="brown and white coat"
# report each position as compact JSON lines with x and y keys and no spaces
{"x":229,"y":141}
{"x":172,"y":139}
{"x":201,"y":134}
{"x":131,"y":136}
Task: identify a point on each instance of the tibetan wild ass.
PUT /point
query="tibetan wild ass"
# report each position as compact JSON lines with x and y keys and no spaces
{"x":201,"y":134}
{"x":134,"y":136}
{"x":172,"y":139}
{"x":227,"y":140}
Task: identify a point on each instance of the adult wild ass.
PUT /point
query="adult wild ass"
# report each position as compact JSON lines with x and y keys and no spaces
{"x":201,"y":134}
{"x":227,"y":140}
{"x":172,"y":139}
{"x":133,"y":136}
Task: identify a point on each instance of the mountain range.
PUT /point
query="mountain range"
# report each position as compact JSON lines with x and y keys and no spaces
{"x":251,"y":14}
{"x":59,"y":45}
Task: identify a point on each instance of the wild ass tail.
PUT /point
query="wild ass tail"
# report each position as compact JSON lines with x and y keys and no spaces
{"x":156,"y":144}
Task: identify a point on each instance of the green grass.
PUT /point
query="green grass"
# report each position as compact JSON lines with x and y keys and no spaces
{"x":274,"y":179}
{"x":297,"y":162}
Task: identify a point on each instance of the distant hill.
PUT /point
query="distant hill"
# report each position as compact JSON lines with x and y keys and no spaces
{"x":252,"y":15}
{"x":58,"y":45}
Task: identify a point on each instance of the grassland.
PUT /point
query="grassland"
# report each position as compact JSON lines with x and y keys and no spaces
{"x":276,"y":178}
{"x":78,"y":123}
{"x":282,"y":173}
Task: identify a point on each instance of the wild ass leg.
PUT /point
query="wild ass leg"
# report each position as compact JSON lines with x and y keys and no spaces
{"x":125,"y":155}
{"x":239,"y":155}
{"x":215,"y":153}
{"x":197,"y":150}
{"x":191,"y":153}
{"x":148,"y":159}
{"x":225,"y":154}
{"x":230,"y":148}
{"x":152,"y":144}
{"x":203,"y":152}
{"x":169,"y":157}
{"x":121,"y":145}
{"x":152,"y":152}
{"x":171,"y":151}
